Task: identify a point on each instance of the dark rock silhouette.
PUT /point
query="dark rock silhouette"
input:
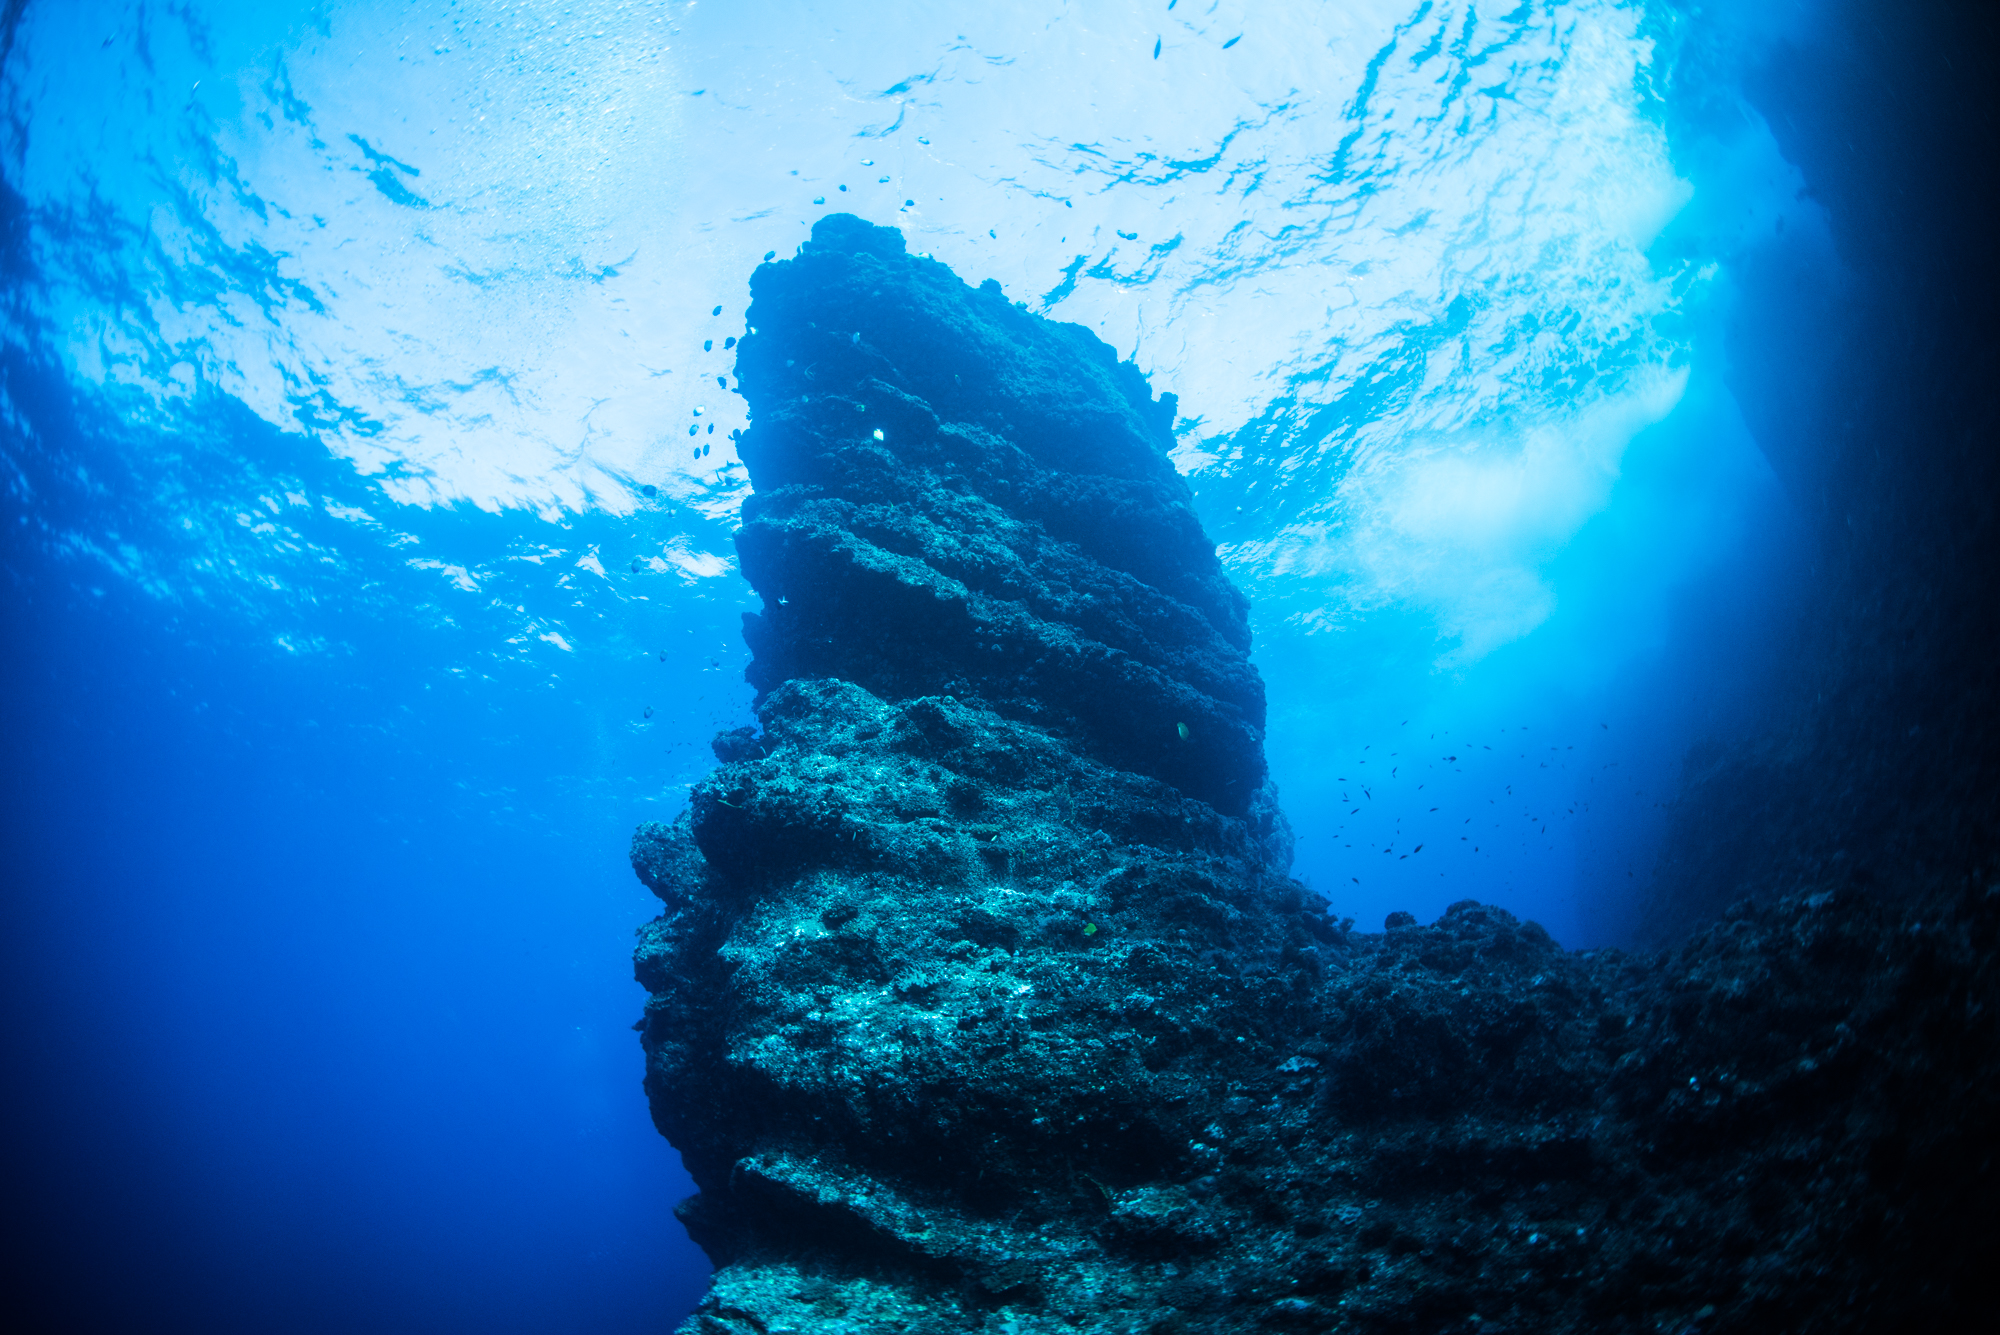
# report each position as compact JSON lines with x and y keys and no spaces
{"x":1875,"y":758}
{"x":982,"y":999}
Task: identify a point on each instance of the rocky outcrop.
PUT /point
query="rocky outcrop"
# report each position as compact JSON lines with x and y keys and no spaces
{"x":982,"y":1000}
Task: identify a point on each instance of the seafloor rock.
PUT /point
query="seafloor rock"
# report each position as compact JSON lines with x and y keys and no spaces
{"x":982,"y":999}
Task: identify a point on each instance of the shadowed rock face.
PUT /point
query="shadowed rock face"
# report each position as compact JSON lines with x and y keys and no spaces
{"x":1875,"y":759}
{"x":982,"y":1001}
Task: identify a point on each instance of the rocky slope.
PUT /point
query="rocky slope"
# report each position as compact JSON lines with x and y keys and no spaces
{"x":982,"y":1000}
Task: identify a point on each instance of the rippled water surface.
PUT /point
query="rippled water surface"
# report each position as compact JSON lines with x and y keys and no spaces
{"x":369,"y":486}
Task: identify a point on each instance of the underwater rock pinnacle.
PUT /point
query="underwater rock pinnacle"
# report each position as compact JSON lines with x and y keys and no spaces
{"x":982,"y":1000}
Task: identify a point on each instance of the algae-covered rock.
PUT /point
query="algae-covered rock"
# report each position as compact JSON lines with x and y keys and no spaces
{"x":982,"y":999}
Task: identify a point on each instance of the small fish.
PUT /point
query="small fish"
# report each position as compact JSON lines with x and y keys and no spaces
{"x":716,"y":311}
{"x":1232,"y":41}
{"x":1156,"y":48}
{"x":1182,"y":728}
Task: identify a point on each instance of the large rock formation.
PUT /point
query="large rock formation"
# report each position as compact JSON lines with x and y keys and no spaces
{"x":982,"y":999}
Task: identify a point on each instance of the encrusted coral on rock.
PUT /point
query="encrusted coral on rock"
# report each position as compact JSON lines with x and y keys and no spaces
{"x":982,"y":1000}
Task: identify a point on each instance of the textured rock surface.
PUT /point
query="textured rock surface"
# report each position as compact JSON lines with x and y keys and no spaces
{"x":982,"y":1001}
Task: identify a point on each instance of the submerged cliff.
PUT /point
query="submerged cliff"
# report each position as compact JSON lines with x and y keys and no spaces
{"x":982,"y":999}
{"x":1874,"y":757}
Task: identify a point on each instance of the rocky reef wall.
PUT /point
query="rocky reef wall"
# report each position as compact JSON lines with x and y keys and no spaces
{"x":1876,"y":760}
{"x":982,"y":1001}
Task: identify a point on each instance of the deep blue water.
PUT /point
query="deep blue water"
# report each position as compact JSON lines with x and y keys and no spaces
{"x":367,"y":492}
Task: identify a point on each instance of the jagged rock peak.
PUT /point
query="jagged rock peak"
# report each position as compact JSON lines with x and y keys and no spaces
{"x":956,"y":497}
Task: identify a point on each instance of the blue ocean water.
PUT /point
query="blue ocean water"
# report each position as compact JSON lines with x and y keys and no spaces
{"x":368,"y":489}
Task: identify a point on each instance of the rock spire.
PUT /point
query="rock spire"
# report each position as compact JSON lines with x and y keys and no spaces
{"x":982,"y":1001}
